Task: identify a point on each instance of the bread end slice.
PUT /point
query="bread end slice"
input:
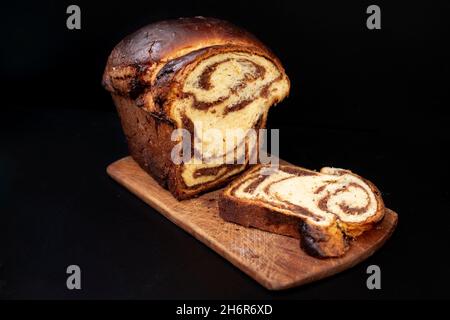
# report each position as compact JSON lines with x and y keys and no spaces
{"x":323,"y":240}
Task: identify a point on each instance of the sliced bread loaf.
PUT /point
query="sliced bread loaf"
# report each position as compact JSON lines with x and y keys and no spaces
{"x":324,"y":209}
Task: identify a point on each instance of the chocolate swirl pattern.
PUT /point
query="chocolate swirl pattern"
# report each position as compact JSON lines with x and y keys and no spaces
{"x":192,"y":73}
{"x":322,"y":208}
{"x":231,"y":90}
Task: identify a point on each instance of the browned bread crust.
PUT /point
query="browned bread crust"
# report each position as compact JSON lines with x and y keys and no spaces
{"x":322,"y":241}
{"x":167,"y":40}
{"x":151,"y":56}
{"x":146,"y":75}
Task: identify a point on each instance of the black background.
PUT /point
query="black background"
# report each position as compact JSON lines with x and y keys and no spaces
{"x":373,"y":101}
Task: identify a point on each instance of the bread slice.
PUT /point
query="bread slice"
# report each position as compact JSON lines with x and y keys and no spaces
{"x":324,"y":209}
{"x":202,"y":75}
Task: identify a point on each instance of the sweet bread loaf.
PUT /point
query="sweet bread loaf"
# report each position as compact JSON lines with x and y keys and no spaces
{"x":180,"y":73}
{"x":324,"y":209}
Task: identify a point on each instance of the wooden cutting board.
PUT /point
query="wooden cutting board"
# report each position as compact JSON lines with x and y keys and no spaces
{"x":275,"y":261}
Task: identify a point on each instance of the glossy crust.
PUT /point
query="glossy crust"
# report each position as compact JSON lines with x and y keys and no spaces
{"x":167,"y":40}
{"x":145,"y":73}
{"x":321,"y":242}
{"x":145,"y":64}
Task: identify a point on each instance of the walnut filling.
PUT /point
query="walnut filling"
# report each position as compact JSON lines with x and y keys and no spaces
{"x":232,"y":90}
{"x":319,"y":197}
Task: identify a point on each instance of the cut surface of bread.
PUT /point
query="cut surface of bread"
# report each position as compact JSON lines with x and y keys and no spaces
{"x":202,"y":75}
{"x":324,"y":209}
{"x":224,"y":92}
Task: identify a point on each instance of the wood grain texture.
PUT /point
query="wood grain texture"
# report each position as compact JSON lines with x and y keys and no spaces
{"x":275,"y":261}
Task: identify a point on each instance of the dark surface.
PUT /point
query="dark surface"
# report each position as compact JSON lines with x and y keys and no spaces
{"x":374,"y":102}
{"x":59,"y":208}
